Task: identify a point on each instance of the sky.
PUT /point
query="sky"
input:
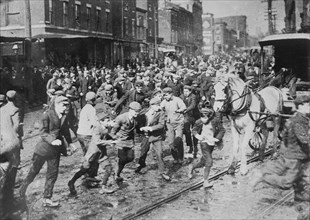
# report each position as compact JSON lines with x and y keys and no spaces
{"x":253,"y":9}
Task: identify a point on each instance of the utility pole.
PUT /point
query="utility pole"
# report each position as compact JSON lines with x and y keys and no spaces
{"x":155,"y":32}
{"x":270,"y":25}
{"x":27,"y":52}
{"x":271,"y":15}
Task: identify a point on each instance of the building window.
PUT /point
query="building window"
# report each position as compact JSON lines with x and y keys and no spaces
{"x":65,"y":14}
{"x":88,"y":12}
{"x":107,"y":21}
{"x":126,"y":7}
{"x":77,"y":15}
{"x":51,"y":11}
{"x":133,"y":27}
{"x":125,"y":24}
{"x":98,"y":19}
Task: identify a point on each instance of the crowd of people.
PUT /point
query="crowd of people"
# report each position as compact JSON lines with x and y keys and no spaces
{"x":107,"y":108}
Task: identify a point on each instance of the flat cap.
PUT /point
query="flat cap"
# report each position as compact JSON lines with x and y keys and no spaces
{"x":302,"y":99}
{"x":155,"y":101}
{"x":11,"y":94}
{"x":2,"y":98}
{"x":167,"y":74}
{"x":59,"y":93}
{"x":131,"y":74}
{"x":139,"y":83}
{"x":156,"y":91}
{"x":101,"y":116}
{"x":135,"y":106}
{"x":90,"y":96}
{"x":108,"y":87}
{"x":167,"y":90}
{"x":187,"y":87}
{"x":61,"y":99}
{"x":207,"y":111}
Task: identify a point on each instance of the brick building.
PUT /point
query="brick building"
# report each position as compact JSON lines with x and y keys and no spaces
{"x":63,"y":32}
{"x":239,"y":25}
{"x":176,"y":28}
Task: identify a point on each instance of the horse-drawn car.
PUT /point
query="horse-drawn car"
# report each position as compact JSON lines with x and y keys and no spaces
{"x":292,"y":53}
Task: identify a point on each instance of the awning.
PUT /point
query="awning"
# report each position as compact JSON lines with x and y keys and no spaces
{"x":54,"y":35}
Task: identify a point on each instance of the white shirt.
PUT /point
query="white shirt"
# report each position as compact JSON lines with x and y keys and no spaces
{"x":207,"y":134}
{"x":88,"y":120}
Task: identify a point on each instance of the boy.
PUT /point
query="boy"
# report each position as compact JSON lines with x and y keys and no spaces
{"x":209,"y":131}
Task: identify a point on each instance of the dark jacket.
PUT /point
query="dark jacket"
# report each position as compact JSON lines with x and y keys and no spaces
{"x":130,"y":96}
{"x":191,"y":113}
{"x":296,"y":139}
{"x":53,"y":128}
{"x":157,"y":123}
{"x":217,"y":127}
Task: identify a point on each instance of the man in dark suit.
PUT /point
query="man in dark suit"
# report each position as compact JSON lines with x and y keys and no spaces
{"x":54,"y":134}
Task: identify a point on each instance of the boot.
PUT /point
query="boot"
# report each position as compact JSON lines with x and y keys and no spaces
{"x":72,"y":188}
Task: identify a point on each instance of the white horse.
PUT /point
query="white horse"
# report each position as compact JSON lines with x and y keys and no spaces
{"x":239,"y":103}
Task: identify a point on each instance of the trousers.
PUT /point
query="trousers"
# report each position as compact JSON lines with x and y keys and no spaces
{"x":51,"y":174}
{"x":175,"y":140}
{"x":206,"y":159}
{"x":283,"y":172}
{"x":125,"y":155}
{"x":84,"y":141}
{"x":158,"y":148}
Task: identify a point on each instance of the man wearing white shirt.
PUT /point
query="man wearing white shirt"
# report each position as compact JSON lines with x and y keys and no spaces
{"x":87,"y":121}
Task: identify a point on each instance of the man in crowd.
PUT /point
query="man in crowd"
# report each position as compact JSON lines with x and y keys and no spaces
{"x":54,"y":134}
{"x":154,"y":131}
{"x":96,"y":151}
{"x":87,"y":121}
{"x":284,"y":173}
{"x":190,"y":115}
{"x":136,"y":95}
{"x":124,"y":131}
{"x":174,"y":108}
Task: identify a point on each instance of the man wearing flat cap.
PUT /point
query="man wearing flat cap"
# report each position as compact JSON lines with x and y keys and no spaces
{"x":292,"y":166}
{"x":54,"y":136}
{"x":154,"y":130}
{"x":124,"y":131}
{"x":136,"y":95}
{"x":11,"y":144}
{"x":174,"y":108}
{"x":106,"y":100}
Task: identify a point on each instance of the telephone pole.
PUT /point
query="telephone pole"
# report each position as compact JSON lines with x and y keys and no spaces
{"x":271,"y":15}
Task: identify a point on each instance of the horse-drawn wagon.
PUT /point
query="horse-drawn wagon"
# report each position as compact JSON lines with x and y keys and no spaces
{"x":291,"y":52}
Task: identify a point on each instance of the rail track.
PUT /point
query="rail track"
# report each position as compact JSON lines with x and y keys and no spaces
{"x":148,"y":208}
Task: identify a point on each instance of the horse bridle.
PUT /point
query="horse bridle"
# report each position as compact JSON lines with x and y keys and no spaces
{"x":227,"y":105}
